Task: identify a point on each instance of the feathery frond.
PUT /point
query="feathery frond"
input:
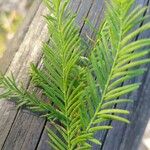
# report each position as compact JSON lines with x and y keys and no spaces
{"x":82,"y":91}
{"x":59,"y":79}
{"x":115,"y":59}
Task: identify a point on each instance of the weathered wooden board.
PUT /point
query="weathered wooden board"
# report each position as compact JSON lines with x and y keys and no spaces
{"x":23,"y":130}
{"x":16,"y":41}
{"x":128,"y":137}
{"x":8,"y":111}
{"x":27,"y":53}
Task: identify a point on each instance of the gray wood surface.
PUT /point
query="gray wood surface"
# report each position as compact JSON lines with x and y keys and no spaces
{"x":128,"y":137}
{"x":24,"y":130}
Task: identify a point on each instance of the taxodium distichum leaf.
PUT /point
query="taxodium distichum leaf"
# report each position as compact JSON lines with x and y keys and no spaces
{"x":82,"y":91}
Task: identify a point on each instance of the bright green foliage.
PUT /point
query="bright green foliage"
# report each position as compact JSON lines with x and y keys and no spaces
{"x":59,"y":80}
{"x":82,"y":91}
{"x":115,"y":59}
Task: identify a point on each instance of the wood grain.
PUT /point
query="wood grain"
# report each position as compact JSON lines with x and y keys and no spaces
{"x":129,"y":136}
{"x":27,"y":53}
{"x":14,"y":44}
{"x":23,"y":130}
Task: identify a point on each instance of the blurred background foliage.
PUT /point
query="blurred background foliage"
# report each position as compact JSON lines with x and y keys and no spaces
{"x":12,"y":13}
{"x":9,"y":22}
